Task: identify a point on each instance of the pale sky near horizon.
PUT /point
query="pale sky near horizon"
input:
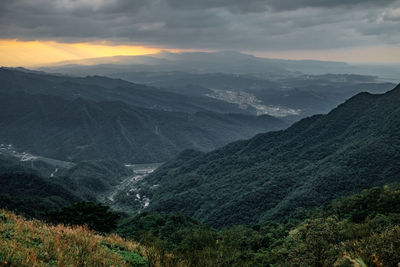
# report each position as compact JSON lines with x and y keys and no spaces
{"x":39,"y":32}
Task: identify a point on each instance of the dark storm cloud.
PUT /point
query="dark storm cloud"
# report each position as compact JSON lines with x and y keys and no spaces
{"x":207,"y":24}
{"x":291,"y":5}
{"x":263,"y":5}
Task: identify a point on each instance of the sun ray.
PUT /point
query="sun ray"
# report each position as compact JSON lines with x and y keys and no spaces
{"x":29,"y":53}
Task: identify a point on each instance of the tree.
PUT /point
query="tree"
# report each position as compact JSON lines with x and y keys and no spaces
{"x":313,"y":244}
{"x":96,"y":216}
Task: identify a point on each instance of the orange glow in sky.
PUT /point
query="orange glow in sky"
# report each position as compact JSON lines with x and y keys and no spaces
{"x":30,"y":53}
{"x":14,"y":53}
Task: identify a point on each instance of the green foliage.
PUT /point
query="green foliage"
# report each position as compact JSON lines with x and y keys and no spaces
{"x":379,"y":248}
{"x":77,"y":119}
{"x":272,"y":175}
{"x":360,"y":229}
{"x":322,"y":239}
{"x":95,"y":216}
{"x":31,"y":195}
{"x":367,"y":205}
{"x":171,"y":228}
{"x":131,"y":258}
{"x":176,"y":239}
{"x":89,"y":179}
{"x":314,"y":243}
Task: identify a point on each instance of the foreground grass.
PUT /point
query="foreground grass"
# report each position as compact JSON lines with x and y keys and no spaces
{"x":34,"y":243}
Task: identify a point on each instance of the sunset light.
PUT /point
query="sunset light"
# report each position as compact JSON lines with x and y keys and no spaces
{"x":32,"y":53}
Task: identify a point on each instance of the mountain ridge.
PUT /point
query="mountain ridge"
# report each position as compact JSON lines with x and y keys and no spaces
{"x":220,"y":61}
{"x":101,"y":88}
{"x":81,"y":129}
{"x":271,"y":175}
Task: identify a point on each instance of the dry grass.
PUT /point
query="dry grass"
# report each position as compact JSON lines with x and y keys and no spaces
{"x":33,"y":243}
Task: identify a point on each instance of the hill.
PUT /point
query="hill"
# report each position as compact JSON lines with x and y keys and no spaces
{"x":33,"y":243}
{"x":200,"y":62}
{"x":37,"y":103}
{"x":257,"y":85}
{"x":83,"y":129}
{"x":215,"y":62}
{"x":100,"y":88}
{"x":270,"y":176}
{"x":90,"y":179}
{"x":360,"y":230}
{"x":30,"y":194}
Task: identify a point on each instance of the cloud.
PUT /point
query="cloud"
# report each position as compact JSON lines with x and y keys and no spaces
{"x":292,"y":5}
{"x":250,"y":6}
{"x":252,"y":25}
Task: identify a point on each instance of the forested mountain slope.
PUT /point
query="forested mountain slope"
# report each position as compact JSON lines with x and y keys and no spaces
{"x":355,"y":146}
{"x":100,"y":88}
{"x":82,"y":129}
{"x":31,"y":194}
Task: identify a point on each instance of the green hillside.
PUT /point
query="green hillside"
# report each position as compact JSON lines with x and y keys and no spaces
{"x":33,"y":243}
{"x":32,"y":195}
{"x":89,"y":179}
{"x":318,"y":159}
{"x":101,"y":88}
{"x":82,"y":129}
{"x":360,"y":230}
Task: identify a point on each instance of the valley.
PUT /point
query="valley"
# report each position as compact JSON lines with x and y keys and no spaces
{"x":107,"y":132}
{"x":274,"y":174}
{"x":46,"y":106}
{"x":260,"y":174}
{"x":245,"y":100}
{"x":199,"y":133}
{"x":128,"y":189}
{"x":254,"y":85}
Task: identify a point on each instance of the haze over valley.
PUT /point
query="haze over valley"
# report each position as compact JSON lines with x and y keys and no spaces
{"x":199,"y":133}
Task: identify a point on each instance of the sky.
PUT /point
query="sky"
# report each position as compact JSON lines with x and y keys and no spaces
{"x":34,"y":32}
